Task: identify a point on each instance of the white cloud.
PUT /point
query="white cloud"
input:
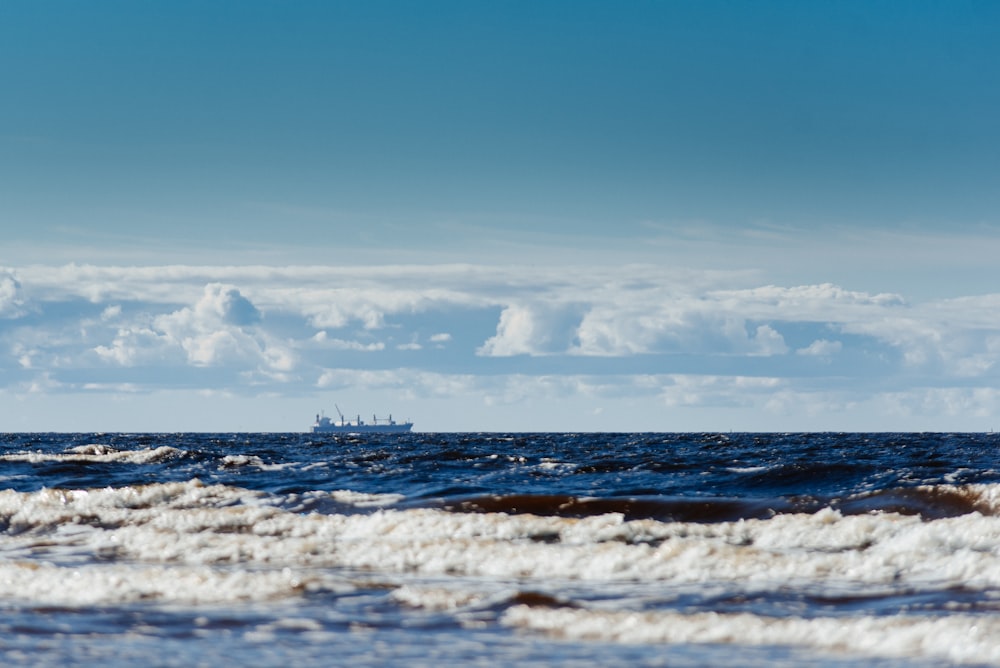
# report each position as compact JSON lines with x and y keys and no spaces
{"x":606,"y":330}
{"x":227,"y":304}
{"x":821,"y":348}
{"x":410,"y":383}
{"x":981,"y":402}
{"x":10,"y":295}
{"x":218,"y":329}
{"x":715,"y":390}
{"x":807,"y":301}
{"x":956,"y":337}
{"x":132,"y":346}
{"x":218,"y":346}
{"x":343,"y":344}
{"x":654,"y":401}
{"x":766,"y":341}
{"x":519,"y":335}
{"x":522,"y":330}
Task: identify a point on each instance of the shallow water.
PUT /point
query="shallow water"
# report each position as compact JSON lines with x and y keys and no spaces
{"x":539,"y":549}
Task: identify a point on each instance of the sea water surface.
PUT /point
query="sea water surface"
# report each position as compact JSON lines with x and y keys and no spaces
{"x":816,"y":549}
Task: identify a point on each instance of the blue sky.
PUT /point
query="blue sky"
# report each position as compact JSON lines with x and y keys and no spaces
{"x":508,"y":215}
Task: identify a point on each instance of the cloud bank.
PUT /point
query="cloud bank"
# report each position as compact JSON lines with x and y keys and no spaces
{"x":539,"y":339}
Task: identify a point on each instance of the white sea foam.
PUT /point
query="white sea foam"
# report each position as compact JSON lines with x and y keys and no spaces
{"x":236,"y":461}
{"x":98,"y":453}
{"x":438,"y":598}
{"x":194,"y":542}
{"x":548,"y":464}
{"x":195,"y":523}
{"x":48,"y":584}
{"x":363,"y":500}
{"x":953,"y":638}
{"x":239,"y":461}
{"x":746,"y":469}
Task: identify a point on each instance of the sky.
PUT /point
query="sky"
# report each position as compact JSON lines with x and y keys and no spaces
{"x":502,"y":216}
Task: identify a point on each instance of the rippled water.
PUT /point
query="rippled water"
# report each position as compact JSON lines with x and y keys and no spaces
{"x":535,"y":549}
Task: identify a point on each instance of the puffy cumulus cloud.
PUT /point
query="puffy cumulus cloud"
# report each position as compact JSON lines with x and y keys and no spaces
{"x":610,"y":331}
{"x":212,"y":331}
{"x":222,"y":345}
{"x":821,"y":348}
{"x":337,"y":311}
{"x":137,"y":345}
{"x":766,"y":341}
{"x":224,"y":304}
{"x":218,"y":329}
{"x":533,"y":329}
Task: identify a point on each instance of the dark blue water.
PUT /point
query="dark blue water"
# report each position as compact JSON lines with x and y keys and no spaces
{"x":709,"y":477}
{"x":753,"y":528}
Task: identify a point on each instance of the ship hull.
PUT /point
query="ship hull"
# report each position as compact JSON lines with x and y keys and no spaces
{"x":363,"y":428}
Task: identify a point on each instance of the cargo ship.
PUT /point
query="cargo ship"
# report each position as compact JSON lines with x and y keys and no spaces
{"x":324,"y":425}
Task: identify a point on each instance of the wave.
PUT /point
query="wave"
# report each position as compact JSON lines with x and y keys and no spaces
{"x":97,"y":452}
{"x":597,"y":576}
{"x":252,"y":461}
{"x":927,"y":502}
{"x":952,"y":638}
{"x":87,"y":585}
{"x":666,"y":509}
{"x":192,"y":523}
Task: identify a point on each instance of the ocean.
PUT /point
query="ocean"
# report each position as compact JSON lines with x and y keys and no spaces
{"x":813,"y":549}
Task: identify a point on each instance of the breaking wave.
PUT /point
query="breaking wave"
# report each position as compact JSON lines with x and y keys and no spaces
{"x":926,"y":501}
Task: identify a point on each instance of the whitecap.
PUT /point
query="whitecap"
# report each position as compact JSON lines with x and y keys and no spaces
{"x":98,"y":453}
{"x":952,"y":638}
